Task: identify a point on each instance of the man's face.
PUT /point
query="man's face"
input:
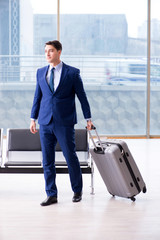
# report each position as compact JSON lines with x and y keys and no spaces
{"x":52,"y":55}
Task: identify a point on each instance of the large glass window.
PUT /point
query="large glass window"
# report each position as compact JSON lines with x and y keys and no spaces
{"x":155,"y":70}
{"x":25,"y":26}
{"x":108,"y":43}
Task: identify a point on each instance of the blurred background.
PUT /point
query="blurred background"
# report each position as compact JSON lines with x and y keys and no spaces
{"x":115,"y":44}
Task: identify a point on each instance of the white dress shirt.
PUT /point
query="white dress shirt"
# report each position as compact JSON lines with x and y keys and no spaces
{"x":57,"y":74}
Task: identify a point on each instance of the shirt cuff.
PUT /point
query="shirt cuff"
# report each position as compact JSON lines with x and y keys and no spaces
{"x":88,"y":119}
{"x":33,"y":119}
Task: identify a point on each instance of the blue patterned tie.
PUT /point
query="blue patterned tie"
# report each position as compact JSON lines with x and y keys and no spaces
{"x":51,"y":80}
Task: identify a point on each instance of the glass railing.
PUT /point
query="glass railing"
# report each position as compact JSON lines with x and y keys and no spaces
{"x":96,"y":70}
{"x":115,"y":86}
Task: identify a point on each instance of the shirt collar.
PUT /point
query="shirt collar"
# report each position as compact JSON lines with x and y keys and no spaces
{"x":58,"y":67}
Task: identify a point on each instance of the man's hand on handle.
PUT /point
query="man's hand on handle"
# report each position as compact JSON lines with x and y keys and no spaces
{"x":33,"y":127}
{"x":90,"y":125}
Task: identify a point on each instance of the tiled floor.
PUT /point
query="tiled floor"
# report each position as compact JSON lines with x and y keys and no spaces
{"x":97,"y":217}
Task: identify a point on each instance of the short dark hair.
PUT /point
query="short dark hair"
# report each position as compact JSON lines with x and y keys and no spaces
{"x":56,"y":44}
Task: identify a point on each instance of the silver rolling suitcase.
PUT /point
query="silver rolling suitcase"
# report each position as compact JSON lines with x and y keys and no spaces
{"x":117,"y":168}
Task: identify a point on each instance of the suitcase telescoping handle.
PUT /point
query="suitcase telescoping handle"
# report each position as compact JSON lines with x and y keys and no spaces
{"x":100,"y":149}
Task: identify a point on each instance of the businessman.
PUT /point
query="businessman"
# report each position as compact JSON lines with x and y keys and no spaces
{"x":54,"y":107}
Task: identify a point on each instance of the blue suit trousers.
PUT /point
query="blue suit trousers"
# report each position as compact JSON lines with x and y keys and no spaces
{"x":49,"y":134}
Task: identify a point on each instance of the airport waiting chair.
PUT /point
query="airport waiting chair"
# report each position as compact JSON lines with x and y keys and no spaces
{"x":23,"y":153}
{"x":22,"y":149}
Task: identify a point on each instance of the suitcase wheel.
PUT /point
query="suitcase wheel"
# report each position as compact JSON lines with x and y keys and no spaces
{"x":144,"y":189}
{"x":133,"y":199}
{"x":112,"y":194}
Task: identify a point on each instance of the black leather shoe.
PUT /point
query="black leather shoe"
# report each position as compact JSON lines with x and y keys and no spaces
{"x":49,"y":200}
{"x":77,"y":197}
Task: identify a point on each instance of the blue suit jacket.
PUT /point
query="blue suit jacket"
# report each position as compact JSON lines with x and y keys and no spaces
{"x":61,"y":103}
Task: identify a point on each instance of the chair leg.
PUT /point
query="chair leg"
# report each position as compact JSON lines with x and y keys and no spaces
{"x":92,"y":177}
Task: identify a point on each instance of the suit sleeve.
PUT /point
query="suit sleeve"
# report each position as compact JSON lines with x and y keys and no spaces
{"x":36,"y":101}
{"x":80,"y":92}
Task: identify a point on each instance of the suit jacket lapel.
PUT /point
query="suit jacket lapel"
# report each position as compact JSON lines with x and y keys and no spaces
{"x":45,"y":79}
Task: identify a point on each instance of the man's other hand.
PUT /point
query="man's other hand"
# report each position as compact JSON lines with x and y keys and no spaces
{"x":33,"y":127}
